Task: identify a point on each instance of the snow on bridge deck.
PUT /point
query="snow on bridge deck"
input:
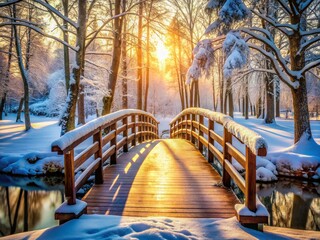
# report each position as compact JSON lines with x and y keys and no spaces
{"x":162,"y":178}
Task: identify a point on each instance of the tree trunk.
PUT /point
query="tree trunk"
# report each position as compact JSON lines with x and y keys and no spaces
{"x":145,"y":108}
{"x":66,"y":58}
{"x":299,"y":96}
{"x":18,"y":119}
{"x":301,"y":113}
{"x":7,"y":76}
{"x":124,"y":64}
{"x":139,"y":57}
{"x":81,"y":112}
{"x":107,"y":100}
{"x":269,"y":118}
{"x":68,"y":117}
{"x":221,"y":84}
{"x":277,"y":95}
{"x":2,"y":104}
{"x":24,"y":75}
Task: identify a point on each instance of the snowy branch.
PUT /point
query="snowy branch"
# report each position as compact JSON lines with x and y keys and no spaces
{"x":99,"y":66}
{"x":281,"y":27}
{"x":9,"y":3}
{"x":276,"y":66}
{"x":311,"y":32}
{"x":271,"y":45}
{"x":98,"y":53}
{"x":101,"y":27}
{"x":304,"y":5}
{"x":20,"y":20}
{"x":285,"y":7}
{"x":310,"y":66}
{"x":56,"y":12}
{"x":38,"y":30}
{"x":307,"y":44}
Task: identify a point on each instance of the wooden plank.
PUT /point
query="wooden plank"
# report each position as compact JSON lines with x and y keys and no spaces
{"x":86,"y":174}
{"x":235,"y":176}
{"x":106,"y":139}
{"x":216,"y":137}
{"x":85,"y":154}
{"x":111,"y":150}
{"x":161,"y":178}
{"x":216,"y":152}
{"x":237,"y":155}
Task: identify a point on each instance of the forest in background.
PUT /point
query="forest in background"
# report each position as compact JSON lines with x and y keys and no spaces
{"x":109,"y":55}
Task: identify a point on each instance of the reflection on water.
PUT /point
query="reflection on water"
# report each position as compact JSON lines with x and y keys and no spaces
{"x":292,"y":203}
{"x":28,"y":203}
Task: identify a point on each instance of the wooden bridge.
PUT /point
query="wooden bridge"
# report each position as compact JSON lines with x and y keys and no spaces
{"x":137,"y":174}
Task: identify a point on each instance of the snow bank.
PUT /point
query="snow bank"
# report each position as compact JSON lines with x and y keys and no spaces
{"x":68,"y":138}
{"x":250,"y":138}
{"x":34,"y":163}
{"x":300,"y":160}
{"x":157,"y":228}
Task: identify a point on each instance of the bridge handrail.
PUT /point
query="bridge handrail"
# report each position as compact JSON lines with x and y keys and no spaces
{"x":134,"y":125}
{"x":189,"y":124}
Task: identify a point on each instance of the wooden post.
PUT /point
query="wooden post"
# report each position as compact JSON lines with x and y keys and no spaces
{"x":99,"y":171}
{"x":133,"y":129}
{"x":210,"y":141}
{"x":125,"y":133}
{"x":140,"y":128}
{"x":113,"y":142}
{"x":193,"y":118}
{"x":227,"y":138}
{"x":179,"y":127}
{"x":200,"y":134}
{"x":70,"y":190}
{"x":187,"y":127}
{"x":250,"y":193}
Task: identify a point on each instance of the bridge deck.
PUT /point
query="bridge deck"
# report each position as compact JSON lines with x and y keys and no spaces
{"x":161,"y":178}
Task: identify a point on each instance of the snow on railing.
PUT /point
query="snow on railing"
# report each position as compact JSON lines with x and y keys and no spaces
{"x":250,"y":138}
{"x":70,"y":137}
{"x":190,"y":124}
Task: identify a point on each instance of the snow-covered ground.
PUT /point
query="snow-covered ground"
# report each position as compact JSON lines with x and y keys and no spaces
{"x":153,"y":228}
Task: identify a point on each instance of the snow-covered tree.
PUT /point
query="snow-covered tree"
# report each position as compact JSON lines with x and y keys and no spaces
{"x":299,"y":25}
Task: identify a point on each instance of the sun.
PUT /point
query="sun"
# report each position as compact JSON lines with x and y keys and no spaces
{"x":162,"y":52}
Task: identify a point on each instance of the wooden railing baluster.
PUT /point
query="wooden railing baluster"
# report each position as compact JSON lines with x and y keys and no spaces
{"x":227,"y":138}
{"x":69,"y":177}
{"x":125,"y":134}
{"x":200,"y":145}
{"x":210,"y":140}
{"x":250,"y":180}
{"x":113,"y":142}
{"x":99,"y":171}
{"x":133,"y":130}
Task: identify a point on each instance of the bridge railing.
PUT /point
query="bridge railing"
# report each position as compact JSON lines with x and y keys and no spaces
{"x":110,"y":134}
{"x":225,"y":140}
